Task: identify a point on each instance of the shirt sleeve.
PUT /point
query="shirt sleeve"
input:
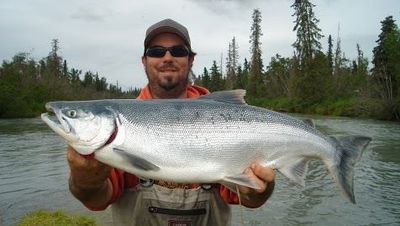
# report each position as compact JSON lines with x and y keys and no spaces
{"x":120,"y":180}
{"x":228,"y":196}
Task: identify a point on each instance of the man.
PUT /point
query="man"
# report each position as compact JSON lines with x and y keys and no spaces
{"x":167,"y":60}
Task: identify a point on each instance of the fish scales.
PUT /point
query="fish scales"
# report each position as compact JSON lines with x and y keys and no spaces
{"x":212,"y":139}
{"x":183,"y":127}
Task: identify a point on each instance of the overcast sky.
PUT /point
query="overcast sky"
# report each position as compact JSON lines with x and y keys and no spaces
{"x":107,"y":36}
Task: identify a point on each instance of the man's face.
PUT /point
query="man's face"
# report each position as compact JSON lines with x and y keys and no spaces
{"x":167,"y":73}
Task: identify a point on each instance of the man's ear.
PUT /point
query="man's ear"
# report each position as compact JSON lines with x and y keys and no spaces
{"x":191,"y":59}
{"x":144,"y":62}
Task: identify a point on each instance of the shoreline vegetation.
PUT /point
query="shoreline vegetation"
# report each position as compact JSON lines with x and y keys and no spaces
{"x":312,"y":81}
{"x":56,"y":217}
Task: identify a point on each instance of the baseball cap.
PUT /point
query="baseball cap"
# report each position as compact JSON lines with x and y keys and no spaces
{"x":167,"y":26}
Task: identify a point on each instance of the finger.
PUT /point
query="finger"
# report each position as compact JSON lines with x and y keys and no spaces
{"x":74,"y":158}
{"x":250,"y":174}
{"x":261,"y":184}
{"x":266,"y":174}
{"x":77,"y":160}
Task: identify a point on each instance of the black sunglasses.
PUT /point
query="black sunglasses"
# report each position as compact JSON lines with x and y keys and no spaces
{"x":160,"y":51}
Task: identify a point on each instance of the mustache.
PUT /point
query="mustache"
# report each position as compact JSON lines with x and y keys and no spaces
{"x":168,"y":66}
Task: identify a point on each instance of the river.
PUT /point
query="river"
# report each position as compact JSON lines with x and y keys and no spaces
{"x":34,"y":172}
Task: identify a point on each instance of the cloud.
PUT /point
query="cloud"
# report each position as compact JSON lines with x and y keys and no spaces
{"x":91,"y":14}
{"x":225,"y":7}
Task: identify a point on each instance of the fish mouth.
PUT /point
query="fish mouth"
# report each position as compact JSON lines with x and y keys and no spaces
{"x":60,"y":126}
{"x":59,"y":123}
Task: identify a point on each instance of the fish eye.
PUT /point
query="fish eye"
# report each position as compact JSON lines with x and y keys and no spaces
{"x":72,"y":113}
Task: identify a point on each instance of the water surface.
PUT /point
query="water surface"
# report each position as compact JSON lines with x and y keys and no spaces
{"x":34,"y":174}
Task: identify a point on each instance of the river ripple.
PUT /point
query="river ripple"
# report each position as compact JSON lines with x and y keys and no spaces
{"x":34,"y":172}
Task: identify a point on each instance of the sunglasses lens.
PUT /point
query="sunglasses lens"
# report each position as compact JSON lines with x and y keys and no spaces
{"x":175,"y":51}
{"x":179,"y":51}
{"x":156,"y":51}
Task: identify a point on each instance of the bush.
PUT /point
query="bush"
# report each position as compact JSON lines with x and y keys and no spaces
{"x":337,"y":107}
{"x":282,"y":104}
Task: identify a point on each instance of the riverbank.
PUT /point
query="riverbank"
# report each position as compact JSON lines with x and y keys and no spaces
{"x":353,"y":107}
{"x":363,"y":108}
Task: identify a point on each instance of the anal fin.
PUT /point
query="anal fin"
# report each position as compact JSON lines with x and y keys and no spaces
{"x":296,"y":170}
{"x":241,"y":179}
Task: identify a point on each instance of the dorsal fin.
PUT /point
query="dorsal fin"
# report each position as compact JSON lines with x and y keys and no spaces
{"x":309,"y":122}
{"x":228,"y":96}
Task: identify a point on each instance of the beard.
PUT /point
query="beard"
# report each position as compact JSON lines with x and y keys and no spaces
{"x":167,"y":83}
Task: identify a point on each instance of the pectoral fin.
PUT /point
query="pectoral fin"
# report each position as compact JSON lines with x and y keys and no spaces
{"x":136,"y":161}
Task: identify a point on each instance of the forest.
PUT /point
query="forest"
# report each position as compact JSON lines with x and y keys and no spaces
{"x":312,"y":81}
{"x":27,"y":85}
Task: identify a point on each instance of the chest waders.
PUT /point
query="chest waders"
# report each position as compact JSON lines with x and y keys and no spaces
{"x":152,"y":204}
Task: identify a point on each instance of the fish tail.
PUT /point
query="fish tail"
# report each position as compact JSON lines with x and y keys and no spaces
{"x":348,"y":152}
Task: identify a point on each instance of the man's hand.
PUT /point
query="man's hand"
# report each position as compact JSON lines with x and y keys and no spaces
{"x":265,"y":177}
{"x":89,"y":180}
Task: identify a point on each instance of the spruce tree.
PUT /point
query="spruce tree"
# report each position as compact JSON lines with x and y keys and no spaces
{"x":255,"y":86}
{"x":205,"y":78}
{"x":308,"y":33}
{"x":310,"y":82}
{"x":231,"y":64}
{"x":386,"y":70}
{"x":330,"y":54}
{"x":54,"y":61}
{"x":217,"y":82}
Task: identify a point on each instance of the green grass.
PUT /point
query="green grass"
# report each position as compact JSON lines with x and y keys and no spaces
{"x":55,"y":218}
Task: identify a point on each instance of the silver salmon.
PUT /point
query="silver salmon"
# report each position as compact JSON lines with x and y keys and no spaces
{"x":210,"y":139}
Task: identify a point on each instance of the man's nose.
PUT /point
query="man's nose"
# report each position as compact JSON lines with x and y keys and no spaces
{"x":168,"y":56}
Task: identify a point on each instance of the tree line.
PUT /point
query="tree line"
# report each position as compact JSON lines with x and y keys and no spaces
{"x":26,"y":85}
{"x":315,"y":81}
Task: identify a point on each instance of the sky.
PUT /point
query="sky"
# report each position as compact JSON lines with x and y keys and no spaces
{"x":107,"y":36}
